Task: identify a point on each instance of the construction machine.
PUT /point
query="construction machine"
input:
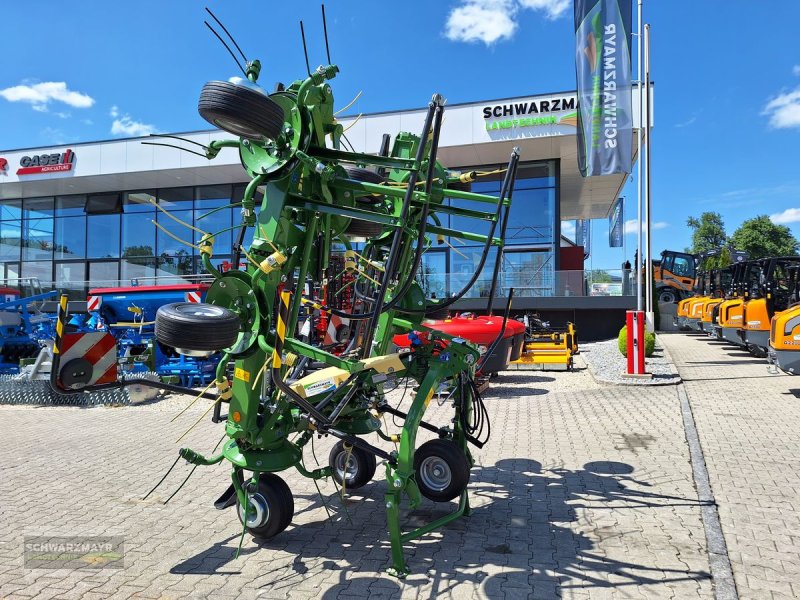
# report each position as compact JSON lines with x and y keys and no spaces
{"x":770,"y":295}
{"x":784,"y":337}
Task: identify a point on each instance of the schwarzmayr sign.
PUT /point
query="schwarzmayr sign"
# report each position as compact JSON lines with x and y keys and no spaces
{"x":530,"y":113}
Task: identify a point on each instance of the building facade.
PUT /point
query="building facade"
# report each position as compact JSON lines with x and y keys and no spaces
{"x":83,"y":215}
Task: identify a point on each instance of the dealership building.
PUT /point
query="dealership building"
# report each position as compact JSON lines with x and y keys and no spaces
{"x":81,"y":215}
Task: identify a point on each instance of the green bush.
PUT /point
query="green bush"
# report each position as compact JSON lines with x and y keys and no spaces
{"x":649,"y":342}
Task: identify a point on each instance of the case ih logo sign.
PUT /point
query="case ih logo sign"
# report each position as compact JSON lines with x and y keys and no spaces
{"x":3,"y":165}
{"x":46,"y":163}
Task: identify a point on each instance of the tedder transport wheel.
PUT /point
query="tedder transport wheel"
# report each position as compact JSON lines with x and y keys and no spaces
{"x":240,"y":110}
{"x":358,"y":471}
{"x":271,"y":507}
{"x":358,"y":228}
{"x":366,"y":176}
{"x":442,"y":470}
{"x":196,"y":327}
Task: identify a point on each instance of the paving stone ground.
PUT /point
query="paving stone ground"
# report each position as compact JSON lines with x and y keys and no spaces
{"x":584,"y":491}
{"x":749,"y":426}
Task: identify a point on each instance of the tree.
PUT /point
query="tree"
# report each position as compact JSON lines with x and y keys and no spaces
{"x":708,"y":232}
{"x":761,"y":238}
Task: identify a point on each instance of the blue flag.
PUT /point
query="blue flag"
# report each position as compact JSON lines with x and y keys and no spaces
{"x":616,"y":224}
{"x":603,"y":69}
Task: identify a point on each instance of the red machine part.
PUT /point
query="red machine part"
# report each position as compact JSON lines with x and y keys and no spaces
{"x":482,"y":331}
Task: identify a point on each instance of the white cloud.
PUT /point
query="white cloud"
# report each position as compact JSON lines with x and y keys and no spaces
{"x":484,"y":21}
{"x":125,"y":125}
{"x":784,"y":110}
{"x":790,"y":215}
{"x":568,"y":229}
{"x":490,"y":21}
{"x":796,"y":70}
{"x":631,"y":228}
{"x":114,"y":112}
{"x":39,"y":95}
{"x":552,"y":8}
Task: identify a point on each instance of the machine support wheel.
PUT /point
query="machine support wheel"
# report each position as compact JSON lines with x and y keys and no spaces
{"x":196,"y":327}
{"x":354,"y":466}
{"x":240,"y":110}
{"x":442,"y":470}
{"x":271,"y":507}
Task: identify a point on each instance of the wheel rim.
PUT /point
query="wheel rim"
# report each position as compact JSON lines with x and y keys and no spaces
{"x":349,"y":473}
{"x":199,"y":310}
{"x":435,"y":473}
{"x":258,"y":511}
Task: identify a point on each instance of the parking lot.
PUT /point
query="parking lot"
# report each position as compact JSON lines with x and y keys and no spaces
{"x":585,"y":490}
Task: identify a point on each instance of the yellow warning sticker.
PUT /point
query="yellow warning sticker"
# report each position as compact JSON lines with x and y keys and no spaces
{"x":428,"y":399}
{"x":242,"y":374}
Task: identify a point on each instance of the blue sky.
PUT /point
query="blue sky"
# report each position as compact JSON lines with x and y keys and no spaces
{"x":727,"y":76}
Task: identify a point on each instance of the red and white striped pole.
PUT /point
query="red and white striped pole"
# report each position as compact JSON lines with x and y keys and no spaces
{"x":635,"y":326}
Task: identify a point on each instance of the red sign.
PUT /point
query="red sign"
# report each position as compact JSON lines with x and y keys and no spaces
{"x":3,"y":164}
{"x":46,"y":163}
{"x":193,"y":297}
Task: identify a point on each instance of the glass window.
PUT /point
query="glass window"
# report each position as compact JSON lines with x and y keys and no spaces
{"x":71,"y":278}
{"x":70,"y":237}
{"x":103,"y":204}
{"x":138,"y":235}
{"x":103,"y":236}
{"x":10,"y":240}
{"x":104,"y":274}
{"x":176,"y":198}
{"x":143,"y":269}
{"x":682,"y":267}
{"x":529,"y":273}
{"x":10,"y":210}
{"x":213,"y":196}
{"x":34,"y":208}
{"x":172,"y":268}
{"x":464,"y":266}
{"x":139,"y":201}
{"x":214,"y":223}
{"x":471,"y":224}
{"x":531,"y":217}
{"x":432,"y":275}
{"x":41,"y":270}
{"x":37,"y":239}
{"x":70,"y":206}
{"x":11,"y":271}
{"x":167,"y":244}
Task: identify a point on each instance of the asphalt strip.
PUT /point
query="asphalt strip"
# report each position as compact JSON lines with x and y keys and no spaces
{"x":721,"y":571}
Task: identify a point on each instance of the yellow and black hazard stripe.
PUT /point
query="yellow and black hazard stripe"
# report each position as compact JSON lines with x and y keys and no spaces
{"x":280,"y":329}
{"x":60,"y":321}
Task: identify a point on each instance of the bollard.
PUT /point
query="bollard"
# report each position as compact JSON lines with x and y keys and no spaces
{"x":635,"y":326}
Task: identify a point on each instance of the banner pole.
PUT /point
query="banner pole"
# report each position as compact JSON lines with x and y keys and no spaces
{"x":638,"y":262}
{"x":647,"y":204}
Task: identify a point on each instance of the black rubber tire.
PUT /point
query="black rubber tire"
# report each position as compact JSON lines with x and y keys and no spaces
{"x":450,"y":454}
{"x":196,"y":326}
{"x":365,"y":229}
{"x":366,"y":176}
{"x":280,"y":502}
{"x":667,"y":296}
{"x":364,"y":462}
{"x":240,"y":110}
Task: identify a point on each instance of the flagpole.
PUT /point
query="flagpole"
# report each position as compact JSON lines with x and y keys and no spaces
{"x":638,"y":262}
{"x":647,"y":207}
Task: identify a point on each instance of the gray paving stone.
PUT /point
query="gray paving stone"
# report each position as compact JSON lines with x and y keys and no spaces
{"x":584,"y":491}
